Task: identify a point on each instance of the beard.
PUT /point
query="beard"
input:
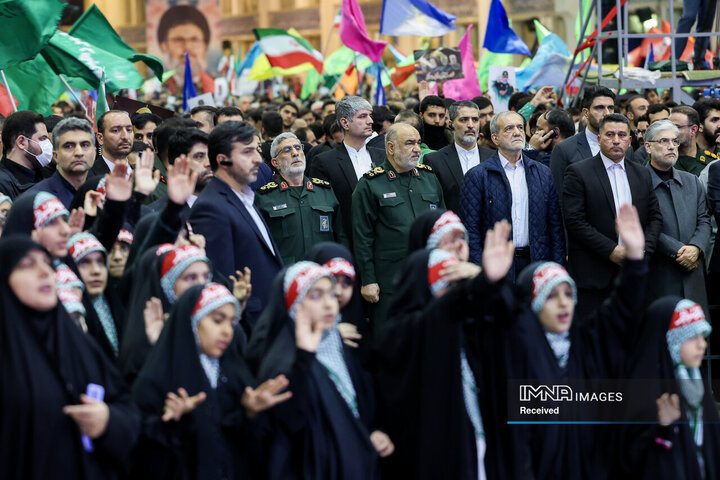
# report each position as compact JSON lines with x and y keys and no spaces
{"x":711,"y":137}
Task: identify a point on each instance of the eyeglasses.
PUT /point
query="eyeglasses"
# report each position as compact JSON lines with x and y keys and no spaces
{"x":681,"y":126}
{"x":289,"y":149}
{"x":665,"y":142}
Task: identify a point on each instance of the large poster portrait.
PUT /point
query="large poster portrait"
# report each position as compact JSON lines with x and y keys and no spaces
{"x":175,"y":27}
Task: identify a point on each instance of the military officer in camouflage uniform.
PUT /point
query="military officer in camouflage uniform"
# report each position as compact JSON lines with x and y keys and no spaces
{"x":298,"y":210}
{"x":385,"y":203}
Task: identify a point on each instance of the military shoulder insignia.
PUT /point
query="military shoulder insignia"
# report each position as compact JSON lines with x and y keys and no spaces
{"x":320,"y":182}
{"x":425,"y":167}
{"x":375,"y":172}
{"x":711,"y":154}
{"x":268,"y":187}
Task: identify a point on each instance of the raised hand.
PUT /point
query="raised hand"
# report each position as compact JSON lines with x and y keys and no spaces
{"x":154,"y":319}
{"x":178,"y":405}
{"x":308,"y":334}
{"x":242,"y":288}
{"x":93,"y":200}
{"x":117,"y":187}
{"x":91,"y":416}
{"x":145,"y":179}
{"x":668,"y":407}
{"x":349,"y":334}
{"x":543,"y":96}
{"x":499,"y":252}
{"x":181,"y":180}
{"x":265,"y":396}
{"x":76,"y":222}
{"x":459,"y":271}
{"x":630,"y":232}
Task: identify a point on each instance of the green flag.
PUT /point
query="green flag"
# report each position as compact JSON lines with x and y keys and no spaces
{"x":312,"y":82}
{"x":27,"y":25}
{"x":541,"y":31}
{"x":83,"y":63}
{"x":586,"y":5}
{"x":34,"y":84}
{"x":101,"y":105}
{"x":94,"y":28}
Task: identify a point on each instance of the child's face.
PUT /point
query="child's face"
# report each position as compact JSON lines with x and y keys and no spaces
{"x":693,"y":351}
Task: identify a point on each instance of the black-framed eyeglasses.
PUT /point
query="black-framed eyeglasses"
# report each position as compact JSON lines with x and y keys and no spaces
{"x":665,"y":141}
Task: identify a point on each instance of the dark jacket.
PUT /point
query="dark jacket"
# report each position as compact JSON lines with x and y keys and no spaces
{"x":233,"y":241}
{"x":58,"y":186}
{"x":486,"y":198}
{"x":589,"y":212}
{"x":335,"y":166}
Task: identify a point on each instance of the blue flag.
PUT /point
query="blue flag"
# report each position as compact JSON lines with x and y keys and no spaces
{"x":650,"y":57}
{"x":379,"y":91}
{"x":252,"y":55}
{"x":499,"y":37}
{"x":189,"y":87}
{"x":419,"y":18}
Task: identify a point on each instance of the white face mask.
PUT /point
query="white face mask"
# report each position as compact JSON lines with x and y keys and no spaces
{"x":46,"y":156}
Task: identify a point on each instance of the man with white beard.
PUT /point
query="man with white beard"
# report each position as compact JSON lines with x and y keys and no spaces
{"x":299,"y":211}
{"x":677,"y":266}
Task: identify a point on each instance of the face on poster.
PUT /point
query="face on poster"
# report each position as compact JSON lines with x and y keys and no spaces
{"x":175,"y":27}
{"x":438,"y":65}
{"x":501,"y":85}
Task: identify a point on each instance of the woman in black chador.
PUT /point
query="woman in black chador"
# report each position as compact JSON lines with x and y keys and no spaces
{"x":195,"y":393}
{"x":49,"y":427}
{"x":441,"y":362}
{"x":327,"y":429}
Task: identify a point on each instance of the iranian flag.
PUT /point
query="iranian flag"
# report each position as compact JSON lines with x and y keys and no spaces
{"x":285,"y":50}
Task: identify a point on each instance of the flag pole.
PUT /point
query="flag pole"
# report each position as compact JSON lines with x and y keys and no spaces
{"x":385,"y":69}
{"x":72,"y":92}
{"x":357,"y":71}
{"x":327,"y":42}
{"x":7,"y":88}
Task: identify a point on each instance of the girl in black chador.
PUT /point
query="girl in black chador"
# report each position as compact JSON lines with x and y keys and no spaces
{"x":441,"y":361}
{"x":549,"y":346}
{"x":327,"y":430}
{"x":196,"y":395}
{"x":684,"y":441}
{"x":50,"y":428}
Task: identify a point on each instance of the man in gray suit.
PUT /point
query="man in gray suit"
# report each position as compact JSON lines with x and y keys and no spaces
{"x":678,"y":265}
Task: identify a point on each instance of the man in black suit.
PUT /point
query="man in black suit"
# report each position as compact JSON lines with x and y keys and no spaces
{"x":115,"y":138}
{"x":452,"y":162}
{"x":348,"y":161}
{"x":235,"y":233}
{"x":597,"y":103}
{"x":595,"y":188}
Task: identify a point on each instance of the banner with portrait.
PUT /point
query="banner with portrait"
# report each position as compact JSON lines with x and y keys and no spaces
{"x":175,"y":27}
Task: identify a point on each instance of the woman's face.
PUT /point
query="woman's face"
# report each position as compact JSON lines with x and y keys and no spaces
{"x":693,"y":351}
{"x":5,"y":208}
{"x":197,"y":273}
{"x":557,"y":313}
{"x":215,"y":330}
{"x":321,"y":303}
{"x":93,"y":272}
{"x":53,"y":237}
{"x":33,"y":281}
{"x":343,"y":289}
{"x":455,"y":243}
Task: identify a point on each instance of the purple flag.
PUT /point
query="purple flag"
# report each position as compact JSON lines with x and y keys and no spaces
{"x":354,"y":34}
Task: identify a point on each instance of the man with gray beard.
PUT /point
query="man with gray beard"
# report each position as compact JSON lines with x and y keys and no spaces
{"x":678,"y":264}
{"x":451,"y":163}
{"x":299,"y":211}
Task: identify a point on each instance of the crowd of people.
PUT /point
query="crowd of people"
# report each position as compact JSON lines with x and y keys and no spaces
{"x":342,"y":291}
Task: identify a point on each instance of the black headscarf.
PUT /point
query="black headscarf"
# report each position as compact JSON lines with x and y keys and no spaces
{"x":421,"y":228}
{"x":208,"y":438}
{"x":46,"y":362}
